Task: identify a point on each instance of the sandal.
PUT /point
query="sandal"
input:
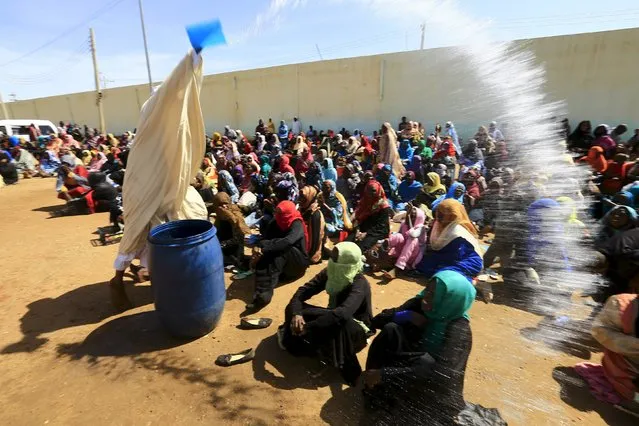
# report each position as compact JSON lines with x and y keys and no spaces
{"x":255,"y":323}
{"x":229,"y":360}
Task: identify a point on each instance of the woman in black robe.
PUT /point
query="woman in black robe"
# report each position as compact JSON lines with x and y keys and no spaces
{"x":282,"y":253}
{"x":416,"y":365}
{"x":339,"y":331}
{"x":372,"y":217}
{"x":581,"y":139}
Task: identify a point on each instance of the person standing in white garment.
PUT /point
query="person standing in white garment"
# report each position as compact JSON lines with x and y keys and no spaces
{"x":296,"y":127}
{"x":166,"y":156}
{"x":452,"y":132}
{"x":494,"y":132}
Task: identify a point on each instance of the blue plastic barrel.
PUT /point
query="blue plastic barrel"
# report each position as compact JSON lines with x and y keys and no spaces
{"x":187,"y":274}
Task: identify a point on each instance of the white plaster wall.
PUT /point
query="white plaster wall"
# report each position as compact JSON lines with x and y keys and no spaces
{"x":595,"y":74}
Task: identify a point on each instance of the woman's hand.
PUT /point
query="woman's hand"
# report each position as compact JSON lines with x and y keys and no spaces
{"x":359,"y":236}
{"x":371,"y":378}
{"x":298,"y":325}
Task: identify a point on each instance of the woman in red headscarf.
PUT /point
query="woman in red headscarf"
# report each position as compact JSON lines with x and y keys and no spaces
{"x":281,"y":255}
{"x":372,"y":217}
{"x":616,"y":174}
{"x":285,"y":165}
{"x":447,"y":149}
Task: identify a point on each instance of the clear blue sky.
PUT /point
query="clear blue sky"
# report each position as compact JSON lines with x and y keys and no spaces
{"x":262,"y":33}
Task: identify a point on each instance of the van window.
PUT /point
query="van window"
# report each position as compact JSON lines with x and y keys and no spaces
{"x":46,"y":130}
{"x":3,"y":129}
{"x":20,"y":130}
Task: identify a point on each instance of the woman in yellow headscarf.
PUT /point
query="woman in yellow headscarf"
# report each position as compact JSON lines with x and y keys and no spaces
{"x":113,"y":142}
{"x":432,"y":190}
{"x":452,"y":243}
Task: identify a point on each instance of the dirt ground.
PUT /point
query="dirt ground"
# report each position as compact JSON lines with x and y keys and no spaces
{"x":67,"y":358}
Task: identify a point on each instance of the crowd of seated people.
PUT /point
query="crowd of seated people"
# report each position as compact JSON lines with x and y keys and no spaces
{"x":300,"y":198}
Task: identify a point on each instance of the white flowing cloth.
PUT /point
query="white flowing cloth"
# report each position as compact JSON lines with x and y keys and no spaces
{"x":388,"y":152}
{"x":165,"y":156}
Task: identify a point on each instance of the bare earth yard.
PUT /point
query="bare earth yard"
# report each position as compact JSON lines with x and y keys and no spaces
{"x":67,"y":358}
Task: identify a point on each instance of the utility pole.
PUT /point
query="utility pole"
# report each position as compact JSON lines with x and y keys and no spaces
{"x":5,"y":113}
{"x":96,"y":73}
{"x":146,"y":48}
{"x":423,"y":27}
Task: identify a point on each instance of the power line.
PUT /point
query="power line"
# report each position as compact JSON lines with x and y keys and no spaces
{"x":110,"y":5}
{"x":66,"y":63}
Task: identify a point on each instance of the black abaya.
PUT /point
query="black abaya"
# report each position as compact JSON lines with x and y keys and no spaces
{"x":376,"y":227}
{"x":283,"y":256}
{"x":336,"y":332}
{"x":418,"y":388}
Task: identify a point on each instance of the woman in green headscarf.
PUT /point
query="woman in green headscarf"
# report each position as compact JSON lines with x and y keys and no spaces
{"x":265,"y":166}
{"x":420,"y":147}
{"x":419,"y":358}
{"x":339,"y":331}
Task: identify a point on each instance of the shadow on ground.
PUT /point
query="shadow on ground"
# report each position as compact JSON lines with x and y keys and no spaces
{"x":241,"y":289}
{"x":49,"y":209}
{"x":126,"y":344}
{"x":282,"y":370}
{"x":574,"y":392}
{"x":89,"y":304}
{"x":124,"y":336}
{"x":509,"y":293}
{"x":345,"y":407}
{"x":572,"y":338}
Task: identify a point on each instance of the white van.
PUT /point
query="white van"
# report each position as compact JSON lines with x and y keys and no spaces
{"x":20,"y":128}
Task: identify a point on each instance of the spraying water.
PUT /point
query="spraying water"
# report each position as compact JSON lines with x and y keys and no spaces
{"x":512,"y":88}
{"x":552,"y":260}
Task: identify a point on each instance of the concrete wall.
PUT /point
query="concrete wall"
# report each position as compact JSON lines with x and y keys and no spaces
{"x":595,"y":74}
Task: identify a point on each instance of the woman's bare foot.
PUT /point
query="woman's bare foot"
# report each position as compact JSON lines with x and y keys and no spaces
{"x":119,"y":299}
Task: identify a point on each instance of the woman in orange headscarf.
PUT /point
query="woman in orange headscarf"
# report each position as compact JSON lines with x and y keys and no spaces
{"x":596,"y":159}
{"x":453,"y":244}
